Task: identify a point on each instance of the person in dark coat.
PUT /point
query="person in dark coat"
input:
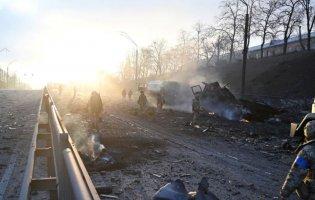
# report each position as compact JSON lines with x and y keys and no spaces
{"x":142,"y":101}
{"x":95,"y":106}
{"x":130,"y":93}
{"x":123,"y":94}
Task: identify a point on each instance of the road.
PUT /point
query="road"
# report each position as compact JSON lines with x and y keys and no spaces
{"x":18,"y":116}
{"x":235,"y":172}
{"x":151,"y":150}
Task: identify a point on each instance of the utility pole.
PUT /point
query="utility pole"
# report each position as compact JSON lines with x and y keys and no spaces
{"x":198,"y":56}
{"x":245,"y":51}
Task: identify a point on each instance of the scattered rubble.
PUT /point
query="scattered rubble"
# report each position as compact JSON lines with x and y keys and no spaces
{"x":144,"y":161}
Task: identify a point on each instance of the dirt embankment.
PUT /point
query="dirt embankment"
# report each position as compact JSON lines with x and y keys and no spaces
{"x":291,"y":75}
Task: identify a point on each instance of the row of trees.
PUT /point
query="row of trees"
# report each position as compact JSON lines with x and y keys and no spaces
{"x":268,"y":19}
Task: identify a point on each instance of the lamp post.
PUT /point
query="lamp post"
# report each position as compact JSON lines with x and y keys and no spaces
{"x":124,"y":34}
{"x":245,"y":49}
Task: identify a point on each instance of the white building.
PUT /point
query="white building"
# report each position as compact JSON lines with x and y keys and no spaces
{"x":274,"y":48}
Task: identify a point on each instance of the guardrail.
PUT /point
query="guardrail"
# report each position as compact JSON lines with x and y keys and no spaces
{"x":67,"y":177}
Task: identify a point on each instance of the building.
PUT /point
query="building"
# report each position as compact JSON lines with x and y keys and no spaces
{"x":275,"y":47}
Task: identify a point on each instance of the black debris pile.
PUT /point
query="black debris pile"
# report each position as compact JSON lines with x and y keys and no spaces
{"x":95,"y":155}
{"x":176,"y":190}
{"x":103,"y":161}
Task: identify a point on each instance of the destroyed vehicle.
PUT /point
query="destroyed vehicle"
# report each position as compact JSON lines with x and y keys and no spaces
{"x":173,"y":92}
{"x":221,"y":101}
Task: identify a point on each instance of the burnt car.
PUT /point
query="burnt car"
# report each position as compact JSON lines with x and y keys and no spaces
{"x":221,"y":101}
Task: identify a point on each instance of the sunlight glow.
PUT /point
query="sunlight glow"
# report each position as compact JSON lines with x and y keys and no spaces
{"x":74,"y":49}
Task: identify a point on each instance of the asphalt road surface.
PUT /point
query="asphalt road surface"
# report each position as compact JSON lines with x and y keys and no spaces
{"x":18,"y":115}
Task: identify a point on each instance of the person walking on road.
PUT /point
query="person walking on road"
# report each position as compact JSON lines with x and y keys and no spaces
{"x":123,"y":94}
{"x":160,"y":102}
{"x":130,"y":93}
{"x":196,"y":108}
{"x":142,"y":101}
{"x":95,"y":106}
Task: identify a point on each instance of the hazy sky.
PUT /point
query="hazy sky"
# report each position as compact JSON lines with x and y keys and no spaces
{"x":80,"y":36}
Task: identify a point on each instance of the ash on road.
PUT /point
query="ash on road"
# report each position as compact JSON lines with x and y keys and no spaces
{"x":18,"y":115}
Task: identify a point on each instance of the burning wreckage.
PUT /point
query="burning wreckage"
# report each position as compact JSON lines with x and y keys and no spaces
{"x":214,"y":99}
{"x":219,"y":100}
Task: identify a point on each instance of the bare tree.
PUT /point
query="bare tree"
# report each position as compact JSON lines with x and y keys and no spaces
{"x":291,"y":18}
{"x":229,"y":23}
{"x":207,"y":45}
{"x":172,"y":60}
{"x":198,"y":28}
{"x":300,"y":38}
{"x":310,"y":19}
{"x":267,"y":21}
{"x":158,"y":47}
{"x":185,"y":48}
{"x":127,"y":71}
{"x":145,"y":62}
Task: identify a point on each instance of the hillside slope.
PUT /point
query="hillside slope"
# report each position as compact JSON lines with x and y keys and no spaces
{"x":285,"y":76}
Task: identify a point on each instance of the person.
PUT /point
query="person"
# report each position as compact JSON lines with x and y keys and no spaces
{"x":60,"y":89}
{"x":130,"y":93}
{"x":142,"y":101}
{"x":160,"y":102}
{"x":95,"y":106}
{"x":196,"y":108}
{"x":74,"y":92}
{"x":123,"y":94}
{"x":302,"y":173}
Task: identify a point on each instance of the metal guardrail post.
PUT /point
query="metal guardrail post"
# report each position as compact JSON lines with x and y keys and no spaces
{"x":72,"y":180}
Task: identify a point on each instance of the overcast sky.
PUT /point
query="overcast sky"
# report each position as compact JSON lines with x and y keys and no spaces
{"x":80,"y":34}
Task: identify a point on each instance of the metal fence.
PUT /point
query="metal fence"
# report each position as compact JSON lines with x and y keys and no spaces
{"x":67,"y":177}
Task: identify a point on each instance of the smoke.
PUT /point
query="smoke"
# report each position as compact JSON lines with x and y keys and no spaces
{"x":185,"y":107}
{"x":194,"y":76}
{"x":88,"y":144}
{"x":95,"y":147}
{"x":230,"y":112}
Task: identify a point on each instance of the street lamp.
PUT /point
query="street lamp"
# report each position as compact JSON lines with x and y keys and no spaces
{"x":245,"y":50}
{"x":124,"y":34}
